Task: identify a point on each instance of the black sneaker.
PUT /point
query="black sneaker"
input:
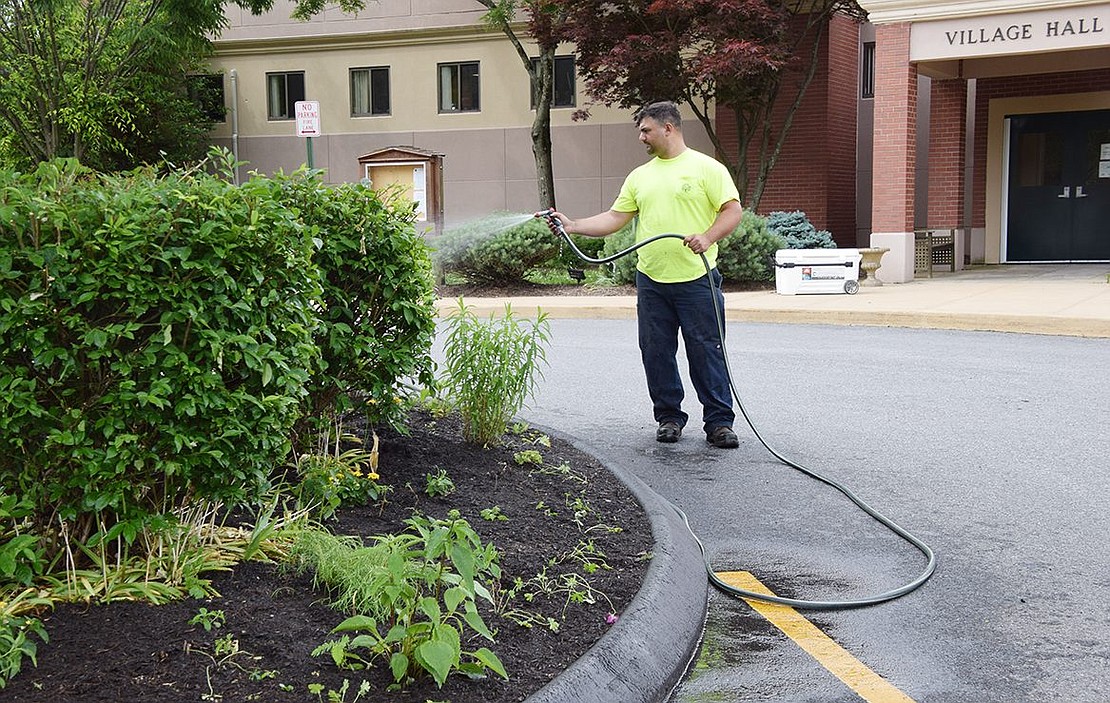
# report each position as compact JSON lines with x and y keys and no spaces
{"x":668,"y":432}
{"x":722,"y":438}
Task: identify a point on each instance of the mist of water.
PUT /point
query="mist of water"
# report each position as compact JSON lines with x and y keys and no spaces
{"x":477,"y":231}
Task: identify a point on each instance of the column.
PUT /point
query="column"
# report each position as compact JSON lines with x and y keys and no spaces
{"x":894,"y":151}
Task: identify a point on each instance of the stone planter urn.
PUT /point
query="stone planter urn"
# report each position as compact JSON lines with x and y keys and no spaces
{"x":870,"y":263}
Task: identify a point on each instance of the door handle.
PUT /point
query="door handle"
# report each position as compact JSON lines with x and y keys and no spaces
{"x":1066,"y":193}
{"x":1079,"y":192}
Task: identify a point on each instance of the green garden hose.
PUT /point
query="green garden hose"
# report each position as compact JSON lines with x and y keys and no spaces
{"x":931,"y":564}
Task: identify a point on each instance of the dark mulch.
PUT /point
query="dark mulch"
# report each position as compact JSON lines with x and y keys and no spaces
{"x":138,"y":652}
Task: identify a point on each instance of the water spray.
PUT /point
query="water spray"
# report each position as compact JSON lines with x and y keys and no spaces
{"x":557,"y":227}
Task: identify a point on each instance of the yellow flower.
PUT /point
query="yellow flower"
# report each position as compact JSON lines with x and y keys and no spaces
{"x":372,"y":476}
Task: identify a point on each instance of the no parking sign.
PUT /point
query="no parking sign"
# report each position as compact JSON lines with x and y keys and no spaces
{"x":308,"y":118}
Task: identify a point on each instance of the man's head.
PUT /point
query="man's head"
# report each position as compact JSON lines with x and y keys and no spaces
{"x":660,"y":128}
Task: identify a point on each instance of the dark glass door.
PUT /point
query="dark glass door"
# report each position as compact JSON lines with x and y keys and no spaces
{"x":1059,"y":187}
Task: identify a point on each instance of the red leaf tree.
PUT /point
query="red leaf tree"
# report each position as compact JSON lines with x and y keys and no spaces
{"x":734,"y":53}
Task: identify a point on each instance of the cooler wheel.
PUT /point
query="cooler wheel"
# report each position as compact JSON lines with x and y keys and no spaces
{"x":851,"y":287}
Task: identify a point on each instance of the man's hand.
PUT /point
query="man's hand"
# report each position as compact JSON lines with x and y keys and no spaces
{"x":698,"y":243}
{"x":554,"y":221}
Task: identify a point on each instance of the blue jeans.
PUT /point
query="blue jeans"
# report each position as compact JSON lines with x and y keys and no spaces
{"x":662,"y":309}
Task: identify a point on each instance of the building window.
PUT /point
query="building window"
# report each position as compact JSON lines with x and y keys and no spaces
{"x":867,"y":70}
{"x":564,"y":78}
{"x":369,"y":91}
{"x":283,"y":91}
{"x":458,"y":87}
{"x":207,"y":92}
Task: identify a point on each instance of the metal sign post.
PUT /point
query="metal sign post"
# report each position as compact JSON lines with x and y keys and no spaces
{"x":308,"y":124}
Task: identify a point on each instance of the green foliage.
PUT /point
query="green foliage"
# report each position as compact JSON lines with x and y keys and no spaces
{"x":491,"y":368}
{"x":377,"y":321}
{"x":21,"y":556}
{"x":624,"y":268}
{"x":155,"y":340}
{"x":590,"y":246}
{"x":438,"y":484}
{"x":209,"y":619}
{"x":414,"y":596}
{"x":329,"y":481}
{"x":797,"y":231}
{"x":16,"y":644}
{"x":745,"y":254}
{"x":488,"y":251}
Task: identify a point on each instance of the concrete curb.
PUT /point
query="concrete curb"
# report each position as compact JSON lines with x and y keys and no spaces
{"x":646,"y":653}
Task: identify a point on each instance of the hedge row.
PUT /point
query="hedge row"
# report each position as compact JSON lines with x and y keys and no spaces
{"x":162,"y":334}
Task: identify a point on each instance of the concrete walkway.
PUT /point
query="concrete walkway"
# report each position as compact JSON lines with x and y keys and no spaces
{"x":647,"y":652}
{"x":1059,"y":299}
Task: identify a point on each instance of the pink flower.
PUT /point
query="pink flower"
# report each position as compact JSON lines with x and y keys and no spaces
{"x":611,"y":618}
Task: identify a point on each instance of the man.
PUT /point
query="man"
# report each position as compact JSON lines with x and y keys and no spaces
{"x":680,"y":191}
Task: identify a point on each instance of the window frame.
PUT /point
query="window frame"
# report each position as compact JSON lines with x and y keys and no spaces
{"x":867,"y":70}
{"x":371,"y":70}
{"x":290,"y":99}
{"x":555,"y":80}
{"x":457,"y":86}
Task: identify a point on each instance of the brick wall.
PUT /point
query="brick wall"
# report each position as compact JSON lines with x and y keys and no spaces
{"x":815,"y":172}
{"x":946,"y":153}
{"x":988,"y":89}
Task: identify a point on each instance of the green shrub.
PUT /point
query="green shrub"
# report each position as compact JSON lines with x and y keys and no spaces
{"x":624,"y":268}
{"x":798,"y":232}
{"x":490,"y":251}
{"x":377,"y":323}
{"x":590,"y":246}
{"x":491,"y":369}
{"x":155,"y":340}
{"x":746,"y":254}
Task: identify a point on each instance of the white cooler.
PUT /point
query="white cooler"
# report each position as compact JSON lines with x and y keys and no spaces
{"x":817,"y":271}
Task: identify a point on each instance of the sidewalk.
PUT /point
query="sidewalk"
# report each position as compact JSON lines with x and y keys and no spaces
{"x":1057,"y":299}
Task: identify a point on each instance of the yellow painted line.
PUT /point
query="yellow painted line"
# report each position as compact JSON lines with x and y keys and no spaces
{"x":870,"y":686}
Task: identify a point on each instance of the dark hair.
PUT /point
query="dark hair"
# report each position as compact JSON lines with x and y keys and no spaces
{"x":662,"y":112}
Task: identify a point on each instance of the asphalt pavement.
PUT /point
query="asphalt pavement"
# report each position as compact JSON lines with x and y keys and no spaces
{"x":651,"y":648}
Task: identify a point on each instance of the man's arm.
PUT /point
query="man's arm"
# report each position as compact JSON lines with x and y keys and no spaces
{"x":728,"y":217}
{"x":600,"y":225}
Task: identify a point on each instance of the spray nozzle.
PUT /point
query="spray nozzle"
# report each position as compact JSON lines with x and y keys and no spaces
{"x":553,"y":222}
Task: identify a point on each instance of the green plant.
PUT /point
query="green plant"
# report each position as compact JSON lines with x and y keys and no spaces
{"x":797,"y":231}
{"x":528,"y":456}
{"x":208,"y":619}
{"x":414,"y":595}
{"x":746,"y":254}
{"x":16,"y":644}
{"x":375,"y":327}
{"x":334,"y":477}
{"x":21,"y":556}
{"x":340,"y":696}
{"x":493,"y":514}
{"x":499,"y":248}
{"x":491,"y":368}
{"x":155,"y":342}
{"x":438,"y":484}
{"x":623,"y":269}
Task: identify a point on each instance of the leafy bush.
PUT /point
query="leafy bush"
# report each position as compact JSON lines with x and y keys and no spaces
{"x":376,"y":325}
{"x":491,"y":369}
{"x":624,"y":268}
{"x":155,"y":340}
{"x":798,"y":232}
{"x":745,"y":254}
{"x":489,"y":251}
{"x":590,"y":246}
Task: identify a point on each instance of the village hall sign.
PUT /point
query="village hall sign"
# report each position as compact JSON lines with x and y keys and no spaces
{"x":1018,"y":33}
